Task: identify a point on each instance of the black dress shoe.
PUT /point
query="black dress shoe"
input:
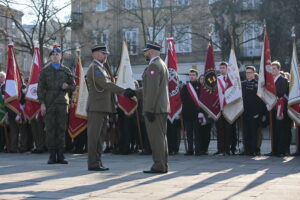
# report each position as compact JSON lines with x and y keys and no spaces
{"x":100,"y":168}
{"x":151,"y":171}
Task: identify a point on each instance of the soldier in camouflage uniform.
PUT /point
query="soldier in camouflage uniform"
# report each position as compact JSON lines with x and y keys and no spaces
{"x":55,"y":82}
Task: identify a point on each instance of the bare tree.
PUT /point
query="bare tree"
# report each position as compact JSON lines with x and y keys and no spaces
{"x":231,"y":21}
{"x":42,"y":12}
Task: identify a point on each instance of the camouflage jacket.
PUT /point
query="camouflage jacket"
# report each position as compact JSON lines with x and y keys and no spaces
{"x":49,"y":89}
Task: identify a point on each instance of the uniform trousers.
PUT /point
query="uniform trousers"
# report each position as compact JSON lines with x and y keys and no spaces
{"x":157,"y":134}
{"x":56,"y":124}
{"x":96,"y":136}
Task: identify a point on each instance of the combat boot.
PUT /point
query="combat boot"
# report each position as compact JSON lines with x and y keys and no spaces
{"x":61,"y":157}
{"x":52,"y":157}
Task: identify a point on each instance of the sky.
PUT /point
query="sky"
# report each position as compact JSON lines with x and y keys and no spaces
{"x":28,"y":19}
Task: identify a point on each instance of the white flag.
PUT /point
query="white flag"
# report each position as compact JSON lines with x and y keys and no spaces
{"x":294,"y":95}
{"x":125,"y":80}
{"x":233,"y":106}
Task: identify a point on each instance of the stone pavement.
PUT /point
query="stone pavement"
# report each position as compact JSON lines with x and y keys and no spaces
{"x":27,"y":176}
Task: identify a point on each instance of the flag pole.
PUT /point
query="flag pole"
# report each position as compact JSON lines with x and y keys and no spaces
{"x":298,"y":128}
{"x":183,"y":134}
{"x":139,"y":129}
{"x":270,"y":112}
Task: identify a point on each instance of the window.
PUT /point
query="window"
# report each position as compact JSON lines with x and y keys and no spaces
{"x":159,"y":36}
{"x":78,"y":6}
{"x":215,"y":38}
{"x":156,"y":3}
{"x":101,"y":36}
{"x":130,"y":4}
{"x":183,"y":38}
{"x":252,"y":46}
{"x":251,"y":4}
{"x":183,"y":2}
{"x":101,"y":5}
{"x":131,"y":36}
{"x":14,"y":29}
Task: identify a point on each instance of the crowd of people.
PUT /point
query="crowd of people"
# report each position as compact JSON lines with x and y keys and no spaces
{"x":111,"y":130}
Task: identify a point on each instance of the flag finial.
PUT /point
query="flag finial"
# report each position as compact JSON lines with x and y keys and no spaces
{"x":293,"y":32}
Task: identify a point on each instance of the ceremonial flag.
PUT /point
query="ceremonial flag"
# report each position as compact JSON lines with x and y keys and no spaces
{"x":266,"y":86}
{"x":77,"y":112}
{"x":125,"y":80}
{"x":13,"y":82}
{"x":174,"y":91}
{"x":209,"y":96}
{"x":294,"y":94}
{"x":32,"y":106}
{"x":233,"y":106}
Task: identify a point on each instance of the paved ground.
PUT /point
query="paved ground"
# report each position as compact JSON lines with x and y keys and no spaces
{"x":27,"y":176}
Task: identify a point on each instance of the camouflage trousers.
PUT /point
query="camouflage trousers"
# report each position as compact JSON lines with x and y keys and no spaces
{"x":56,"y":124}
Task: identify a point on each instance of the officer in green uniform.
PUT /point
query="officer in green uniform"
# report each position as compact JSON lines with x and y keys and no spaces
{"x":101,"y":102}
{"x":156,"y":106}
{"x":55,"y":83}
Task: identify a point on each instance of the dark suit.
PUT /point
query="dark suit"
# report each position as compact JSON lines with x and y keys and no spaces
{"x":253,"y":109}
{"x":281,"y":128}
{"x":190,"y":116}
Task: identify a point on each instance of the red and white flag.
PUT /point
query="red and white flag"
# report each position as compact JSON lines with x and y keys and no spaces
{"x":266,"y":86}
{"x":125,"y":80}
{"x":174,"y":91}
{"x":233,"y":101}
{"x":209,"y":95}
{"x":32,"y":106}
{"x":294,"y":95}
{"x":77,"y":112}
{"x":13,"y":82}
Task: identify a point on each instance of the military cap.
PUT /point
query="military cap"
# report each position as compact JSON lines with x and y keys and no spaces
{"x":100,"y":47}
{"x":152,"y":45}
{"x":55,"y":49}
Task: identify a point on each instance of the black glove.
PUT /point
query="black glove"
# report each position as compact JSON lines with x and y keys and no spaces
{"x":129,"y":93}
{"x":150,"y":116}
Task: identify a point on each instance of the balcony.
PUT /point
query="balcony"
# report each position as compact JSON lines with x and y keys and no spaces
{"x":77,"y":19}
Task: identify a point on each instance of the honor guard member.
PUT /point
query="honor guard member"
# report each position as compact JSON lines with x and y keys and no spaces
{"x":280,"y":117}
{"x":100,"y":104}
{"x":226,"y":132}
{"x":190,"y":108}
{"x":156,"y":106}
{"x":253,"y":110}
{"x":55,"y":83}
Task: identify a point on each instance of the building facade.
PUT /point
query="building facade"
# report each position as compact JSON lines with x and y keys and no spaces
{"x":112,"y":21}
{"x":9,"y":30}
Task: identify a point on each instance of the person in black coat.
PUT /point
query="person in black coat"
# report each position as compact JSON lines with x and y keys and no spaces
{"x":190,"y":112}
{"x":253,"y":110}
{"x":281,"y":123}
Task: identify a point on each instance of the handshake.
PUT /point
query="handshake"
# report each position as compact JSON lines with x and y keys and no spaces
{"x":129,"y":93}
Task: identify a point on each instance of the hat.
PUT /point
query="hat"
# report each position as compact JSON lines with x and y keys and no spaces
{"x":152,"y":45}
{"x":194,"y":69}
{"x":56,"y":49}
{"x":100,"y":47}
